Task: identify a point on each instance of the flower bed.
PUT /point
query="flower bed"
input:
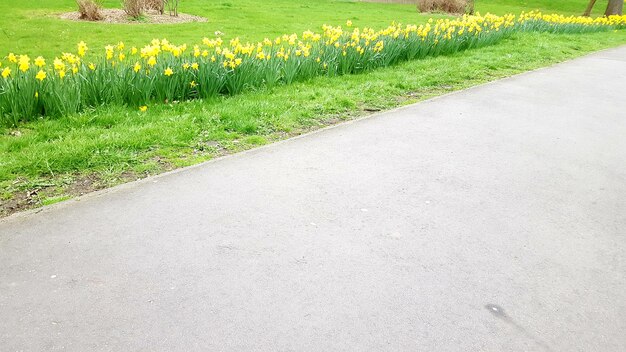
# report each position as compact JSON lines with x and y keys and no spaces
{"x":163,"y":72}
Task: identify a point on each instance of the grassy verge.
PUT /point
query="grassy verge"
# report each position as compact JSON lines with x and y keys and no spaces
{"x":49,"y":160}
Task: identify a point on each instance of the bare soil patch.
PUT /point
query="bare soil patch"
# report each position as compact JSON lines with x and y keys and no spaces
{"x":119,"y":16}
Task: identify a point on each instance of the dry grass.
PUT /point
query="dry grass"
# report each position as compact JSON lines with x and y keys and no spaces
{"x":156,"y":5}
{"x":148,"y":16}
{"x":89,"y":10}
{"x":134,"y":8}
{"x":449,"y":6}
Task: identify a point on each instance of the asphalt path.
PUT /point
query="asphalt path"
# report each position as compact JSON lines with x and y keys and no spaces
{"x":491,"y":219}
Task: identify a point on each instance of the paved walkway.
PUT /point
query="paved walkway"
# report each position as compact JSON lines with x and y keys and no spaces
{"x":493,"y":219}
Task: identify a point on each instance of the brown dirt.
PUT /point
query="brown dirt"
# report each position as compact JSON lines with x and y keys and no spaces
{"x":119,"y":16}
{"x":19,"y":201}
{"x":33,"y":198}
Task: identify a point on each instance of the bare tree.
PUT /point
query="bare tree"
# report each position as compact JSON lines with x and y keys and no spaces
{"x":589,"y":8}
{"x":172,"y":7}
{"x":614,"y":7}
{"x":157,"y":5}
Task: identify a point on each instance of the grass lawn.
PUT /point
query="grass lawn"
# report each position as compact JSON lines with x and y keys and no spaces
{"x":46,"y":161}
{"x":33,"y":27}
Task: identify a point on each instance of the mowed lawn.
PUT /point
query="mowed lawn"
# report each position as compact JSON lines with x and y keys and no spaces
{"x":34,"y":27}
{"x":50,"y":160}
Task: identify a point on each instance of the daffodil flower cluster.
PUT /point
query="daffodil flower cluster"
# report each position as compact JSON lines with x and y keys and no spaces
{"x":164,"y":72}
{"x":560,"y":23}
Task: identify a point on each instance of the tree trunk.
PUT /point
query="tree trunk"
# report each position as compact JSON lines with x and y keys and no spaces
{"x":589,"y":8}
{"x":615,"y":7}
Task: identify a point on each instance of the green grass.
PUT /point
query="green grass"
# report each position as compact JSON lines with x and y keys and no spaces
{"x":565,"y":7}
{"x":52,"y":200}
{"x":46,"y":161}
{"x":33,"y":27}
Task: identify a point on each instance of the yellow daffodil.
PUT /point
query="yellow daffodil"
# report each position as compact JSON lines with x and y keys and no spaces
{"x":168,"y":72}
{"x":40,"y":62}
{"x":6,"y":72}
{"x":58,"y":64}
{"x":109,"y":51}
{"x":82,"y":49}
{"x":24,"y":63}
{"x":41,"y":75}
{"x":137,"y":67}
{"x":143,"y":108}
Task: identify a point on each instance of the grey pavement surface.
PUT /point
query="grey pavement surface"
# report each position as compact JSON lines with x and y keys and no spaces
{"x":492,"y":219}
